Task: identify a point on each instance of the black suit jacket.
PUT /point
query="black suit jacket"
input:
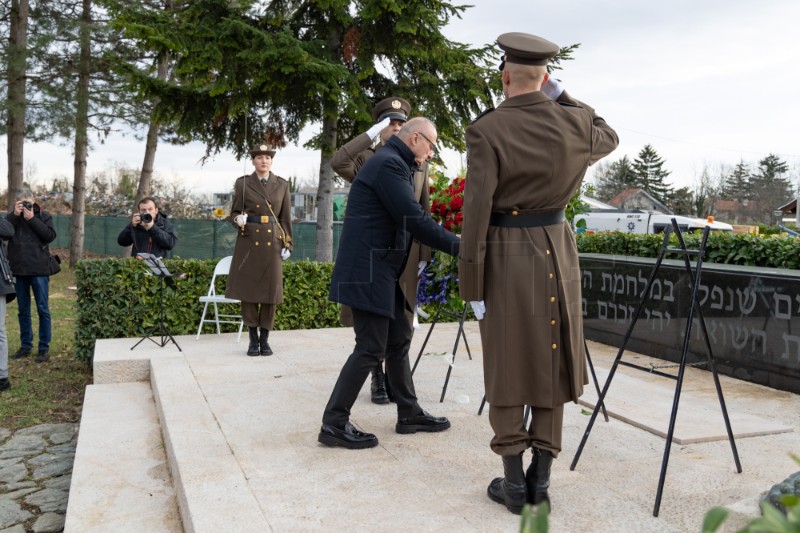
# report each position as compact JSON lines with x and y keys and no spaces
{"x":382,"y":216}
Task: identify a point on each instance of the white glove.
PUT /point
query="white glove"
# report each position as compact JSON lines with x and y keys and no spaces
{"x":552,"y":88}
{"x":377,"y":128}
{"x":421,"y":267}
{"x":415,"y":322}
{"x":479,"y":308}
{"x":240,"y":220}
{"x":285,"y":253}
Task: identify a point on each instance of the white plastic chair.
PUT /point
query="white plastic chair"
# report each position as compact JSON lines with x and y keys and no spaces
{"x":221,"y":269}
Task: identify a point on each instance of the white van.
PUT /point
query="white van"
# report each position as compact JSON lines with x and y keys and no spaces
{"x":644,"y":222}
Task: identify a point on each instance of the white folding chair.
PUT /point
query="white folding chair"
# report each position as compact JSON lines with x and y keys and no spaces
{"x":222,"y":269}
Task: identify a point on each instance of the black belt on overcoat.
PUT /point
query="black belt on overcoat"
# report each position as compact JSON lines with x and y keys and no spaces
{"x":526,"y":220}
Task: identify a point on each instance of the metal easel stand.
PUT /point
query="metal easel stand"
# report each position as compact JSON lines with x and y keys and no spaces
{"x":440,"y":311}
{"x":160,"y":330}
{"x":694,"y":277}
{"x":596,"y":386}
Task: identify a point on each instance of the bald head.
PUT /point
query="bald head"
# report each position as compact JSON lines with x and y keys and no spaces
{"x":420,"y":135}
{"x":519,"y":79}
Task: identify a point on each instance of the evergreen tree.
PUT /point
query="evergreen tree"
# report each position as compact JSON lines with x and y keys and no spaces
{"x":613,"y":178}
{"x":246,"y":71}
{"x":650,"y":174}
{"x":737,"y":184}
{"x":683,"y":202}
{"x":769,"y":187}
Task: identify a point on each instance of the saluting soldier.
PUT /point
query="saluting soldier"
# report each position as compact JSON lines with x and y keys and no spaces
{"x":389,"y":115}
{"x":261,"y":211}
{"x":518,"y":264}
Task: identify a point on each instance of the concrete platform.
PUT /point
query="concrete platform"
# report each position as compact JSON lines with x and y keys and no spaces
{"x":240,"y":434}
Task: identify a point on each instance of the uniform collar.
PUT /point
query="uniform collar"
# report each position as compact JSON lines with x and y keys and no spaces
{"x":535,"y":97}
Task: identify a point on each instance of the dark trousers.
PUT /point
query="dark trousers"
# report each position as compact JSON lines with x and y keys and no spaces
{"x":40,"y":287}
{"x":258,"y":315}
{"x":376,"y":335}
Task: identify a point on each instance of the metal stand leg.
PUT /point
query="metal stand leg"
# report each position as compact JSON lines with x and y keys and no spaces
{"x":694,"y":276}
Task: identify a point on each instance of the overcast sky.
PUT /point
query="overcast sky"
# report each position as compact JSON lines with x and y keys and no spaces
{"x":706,"y":82}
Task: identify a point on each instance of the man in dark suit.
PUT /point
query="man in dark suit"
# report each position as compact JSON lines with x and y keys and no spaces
{"x":389,"y":114}
{"x":519,"y":262}
{"x":382,"y":217}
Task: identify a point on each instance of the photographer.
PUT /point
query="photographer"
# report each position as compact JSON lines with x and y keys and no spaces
{"x":29,"y":256}
{"x":149,"y":231}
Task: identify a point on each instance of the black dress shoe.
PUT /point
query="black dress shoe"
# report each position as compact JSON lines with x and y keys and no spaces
{"x":424,"y":421}
{"x":22,"y":352}
{"x":42,"y":356}
{"x":5,"y":384}
{"x":349,"y":437}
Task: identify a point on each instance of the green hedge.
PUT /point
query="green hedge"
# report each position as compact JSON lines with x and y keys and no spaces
{"x":727,"y":248}
{"x":118,"y":298}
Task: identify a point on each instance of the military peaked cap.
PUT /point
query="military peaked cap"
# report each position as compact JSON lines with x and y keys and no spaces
{"x":526,"y":49}
{"x":262,"y":149}
{"x":393,"y":107}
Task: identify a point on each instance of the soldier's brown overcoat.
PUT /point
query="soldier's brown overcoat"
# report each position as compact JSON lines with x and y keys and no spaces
{"x":346,"y":162}
{"x":256,"y":273}
{"x":530,"y":154}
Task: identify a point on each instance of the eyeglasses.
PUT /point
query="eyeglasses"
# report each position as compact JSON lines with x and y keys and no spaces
{"x":433,"y":144}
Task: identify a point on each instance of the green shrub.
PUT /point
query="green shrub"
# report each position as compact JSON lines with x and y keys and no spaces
{"x":119,"y":298}
{"x":728,"y":248}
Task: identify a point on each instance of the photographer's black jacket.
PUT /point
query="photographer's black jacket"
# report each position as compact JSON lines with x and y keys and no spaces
{"x":158,"y":240}
{"x":7,"y":288}
{"x":28,"y":250}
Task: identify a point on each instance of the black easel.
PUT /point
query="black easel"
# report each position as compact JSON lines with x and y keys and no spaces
{"x":461,"y":317}
{"x":159,"y":270}
{"x":694,"y":277}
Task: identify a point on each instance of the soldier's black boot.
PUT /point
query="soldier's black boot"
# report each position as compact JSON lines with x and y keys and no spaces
{"x":378,"y":386}
{"x":510,"y":490}
{"x":537,"y":477}
{"x":264,"y":345}
{"x":253,"y":348}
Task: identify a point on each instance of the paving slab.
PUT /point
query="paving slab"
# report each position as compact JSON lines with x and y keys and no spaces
{"x":242,"y":426}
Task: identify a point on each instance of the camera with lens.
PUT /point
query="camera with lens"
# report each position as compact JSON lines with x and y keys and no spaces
{"x":146,"y":217}
{"x":27,"y":205}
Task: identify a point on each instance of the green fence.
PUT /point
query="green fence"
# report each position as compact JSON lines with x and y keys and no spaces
{"x":197,"y":239}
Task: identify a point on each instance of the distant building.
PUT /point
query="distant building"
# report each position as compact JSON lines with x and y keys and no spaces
{"x":304,"y":204}
{"x":631,"y":199}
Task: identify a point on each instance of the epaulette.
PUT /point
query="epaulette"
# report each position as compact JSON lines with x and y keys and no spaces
{"x":569,"y":104}
{"x":482,"y":114}
{"x":281,"y":179}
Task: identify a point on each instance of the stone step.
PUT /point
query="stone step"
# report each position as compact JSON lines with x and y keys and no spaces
{"x":120,"y":479}
{"x":209,"y":480}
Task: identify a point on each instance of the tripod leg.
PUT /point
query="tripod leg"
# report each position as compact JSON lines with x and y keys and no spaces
{"x":634,"y":318}
{"x":428,"y":336}
{"x":455,"y":349}
{"x":594,"y":377}
{"x":483,"y":403}
{"x":461,"y":330}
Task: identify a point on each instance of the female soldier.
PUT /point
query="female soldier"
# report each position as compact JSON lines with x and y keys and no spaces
{"x":261,"y":210}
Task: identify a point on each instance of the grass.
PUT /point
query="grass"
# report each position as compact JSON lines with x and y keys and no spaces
{"x":50,"y":392}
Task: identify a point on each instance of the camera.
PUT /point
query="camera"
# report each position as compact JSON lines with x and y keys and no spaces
{"x":27,"y":205}
{"x":146,"y":217}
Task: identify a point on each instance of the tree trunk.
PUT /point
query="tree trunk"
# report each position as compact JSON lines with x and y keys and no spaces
{"x":81,"y":136}
{"x":325,"y":190}
{"x":146,"y":176}
{"x":16,"y":70}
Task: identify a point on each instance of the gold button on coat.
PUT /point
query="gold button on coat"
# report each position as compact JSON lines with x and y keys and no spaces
{"x":551,"y":275}
{"x":553,"y":346}
{"x":552,"y":298}
{"x":548,"y":252}
{"x":552,"y":322}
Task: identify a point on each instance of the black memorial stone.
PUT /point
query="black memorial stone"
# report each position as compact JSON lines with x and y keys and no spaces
{"x":752,"y":314}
